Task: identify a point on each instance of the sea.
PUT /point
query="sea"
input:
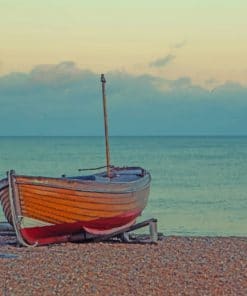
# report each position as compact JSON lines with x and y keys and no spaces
{"x":199,"y":184}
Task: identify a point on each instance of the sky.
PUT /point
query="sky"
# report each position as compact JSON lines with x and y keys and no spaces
{"x":172,"y":67}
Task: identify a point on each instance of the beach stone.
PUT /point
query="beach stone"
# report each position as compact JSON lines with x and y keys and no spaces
{"x":175,"y":266}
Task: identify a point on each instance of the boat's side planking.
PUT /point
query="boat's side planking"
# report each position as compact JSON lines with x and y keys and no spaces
{"x":61,"y":205}
{"x":4,"y":199}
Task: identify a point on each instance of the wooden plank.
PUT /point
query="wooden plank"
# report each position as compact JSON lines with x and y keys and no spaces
{"x":65,"y":211}
{"x":45,"y":216}
{"x":80,"y":204}
{"x":78,"y":195}
{"x":6,"y":206}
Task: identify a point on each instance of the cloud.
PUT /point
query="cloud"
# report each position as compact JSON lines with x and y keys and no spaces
{"x":179,"y":44}
{"x":66,"y":100}
{"x":163,"y":61}
{"x":182,"y":82}
{"x":211,"y":81}
{"x":65,"y":71}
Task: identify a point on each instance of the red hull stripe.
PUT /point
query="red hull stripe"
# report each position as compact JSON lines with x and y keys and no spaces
{"x":58,"y":233}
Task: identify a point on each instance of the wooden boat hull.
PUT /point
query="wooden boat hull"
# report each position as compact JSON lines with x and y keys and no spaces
{"x":50,"y":210}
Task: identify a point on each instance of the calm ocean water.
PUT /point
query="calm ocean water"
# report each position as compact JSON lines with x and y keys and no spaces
{"x":199,"y":184}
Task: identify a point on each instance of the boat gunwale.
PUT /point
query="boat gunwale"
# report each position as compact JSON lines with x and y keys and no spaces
{"x":71,"y":180}
{"x":141,"y":183}
{"x":147,"y":185}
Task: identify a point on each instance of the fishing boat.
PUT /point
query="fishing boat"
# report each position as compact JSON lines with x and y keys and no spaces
{"x":46,"y":210}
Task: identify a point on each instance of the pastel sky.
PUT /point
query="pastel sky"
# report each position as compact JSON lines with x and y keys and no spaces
{"x":172,"y":67}
{"x":207,"y":40}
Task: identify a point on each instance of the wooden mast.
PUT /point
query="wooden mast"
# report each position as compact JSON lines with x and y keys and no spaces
{"x":103,"y":81}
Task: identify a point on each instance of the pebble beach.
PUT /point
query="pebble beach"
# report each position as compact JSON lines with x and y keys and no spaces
{"x":173,"y":266}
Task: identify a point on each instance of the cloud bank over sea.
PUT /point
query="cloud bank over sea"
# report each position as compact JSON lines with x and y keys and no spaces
{"x":65,"y":100}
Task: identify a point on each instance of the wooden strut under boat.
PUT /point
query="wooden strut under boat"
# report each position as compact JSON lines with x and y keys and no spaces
{"x":47,"y":210}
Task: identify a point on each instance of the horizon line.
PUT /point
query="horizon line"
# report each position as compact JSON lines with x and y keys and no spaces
{"x":113,"y":136}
